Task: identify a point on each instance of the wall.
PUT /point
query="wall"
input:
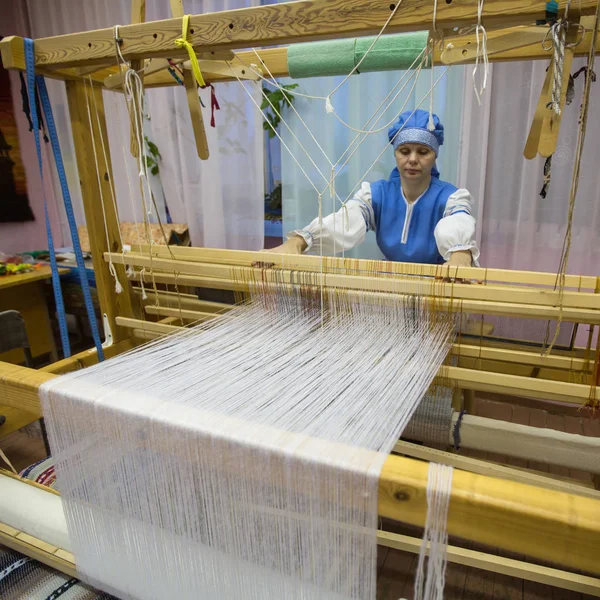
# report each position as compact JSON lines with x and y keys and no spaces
{"x":20,"y":237}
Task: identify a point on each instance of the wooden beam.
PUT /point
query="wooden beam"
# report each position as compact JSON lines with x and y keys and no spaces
{"x":191,"y":93}
{"x":375,"y":282}
{"x":55,"y":558}
{"x":521,"y":357}
{"x":517,"y":385}
{"x":274,"y":60}
{"x":19,"y":387}
{"x":484,"y":467}
{"x":500,"y":513}
{"x":98,"y":216}
{"x":188,"y":301}
{"x":498,"y":564}
{"x":570,"y":315}
{"x":147,"y":325}
{"x":195,"y":108}
{"x":333,"y":263}
{"x":13,"y":53}
{"x":87,"y":358}
{"x":285,"y":23}
{"x":136,"y":119}
{"x":179,"y":313}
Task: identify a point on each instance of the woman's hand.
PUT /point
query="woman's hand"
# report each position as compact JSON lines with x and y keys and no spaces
{"x":460,"y":258}
{"x":295,"y":245}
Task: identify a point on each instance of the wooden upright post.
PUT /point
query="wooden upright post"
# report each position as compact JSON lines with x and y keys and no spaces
{"x":111,"y":304}
{"x":138,"y":15}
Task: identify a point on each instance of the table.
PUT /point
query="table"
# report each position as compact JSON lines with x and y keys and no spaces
{"x":25,"y":292}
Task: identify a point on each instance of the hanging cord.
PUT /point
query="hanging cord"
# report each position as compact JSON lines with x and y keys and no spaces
{"x":328,"y":105}
{"x":440,"y":36}
{"x":183,"y":42}
{"x":481,"y":37}
{"x":323,"y":176}
{"x":558,"y":33}
{"x":135,"y":101}
{"x":111,"y":267}
{"x":5,"y":459}
{"x":561,"y":276}
{"x":558,"y":43}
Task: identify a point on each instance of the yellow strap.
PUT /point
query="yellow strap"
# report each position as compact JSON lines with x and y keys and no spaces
{"x":182,"y":42}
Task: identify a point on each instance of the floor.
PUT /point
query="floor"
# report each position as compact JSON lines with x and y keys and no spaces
{"x":396,"y":569}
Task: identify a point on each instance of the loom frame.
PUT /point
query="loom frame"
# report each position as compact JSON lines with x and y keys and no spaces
{"x":91,"y":54}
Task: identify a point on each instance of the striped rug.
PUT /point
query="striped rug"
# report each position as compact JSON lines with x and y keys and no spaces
{"x":22,"y":578}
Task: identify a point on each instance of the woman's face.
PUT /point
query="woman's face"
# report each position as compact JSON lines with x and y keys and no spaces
{"x":415,"y":161}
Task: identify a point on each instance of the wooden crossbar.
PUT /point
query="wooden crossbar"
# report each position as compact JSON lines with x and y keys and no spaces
{"x":374,"y":282}
{"x":512,"y":309}
{"x":286,"y":23}
{"x":306,"y":262}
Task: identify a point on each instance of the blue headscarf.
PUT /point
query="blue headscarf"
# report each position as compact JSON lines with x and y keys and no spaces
{"x":412,"y":127}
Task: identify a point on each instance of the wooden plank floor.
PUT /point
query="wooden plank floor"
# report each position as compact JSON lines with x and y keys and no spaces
{"x":396,"y":569}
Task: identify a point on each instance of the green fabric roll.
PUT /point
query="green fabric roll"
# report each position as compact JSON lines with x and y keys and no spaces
{"x":339,"y":57}
{"x":391,"y":52}
{"x":315,"y":59}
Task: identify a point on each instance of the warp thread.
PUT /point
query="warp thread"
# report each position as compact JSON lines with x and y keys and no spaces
{"x":286,"y":434}
{"x":430,"y":586}
{"x":432,"y":421}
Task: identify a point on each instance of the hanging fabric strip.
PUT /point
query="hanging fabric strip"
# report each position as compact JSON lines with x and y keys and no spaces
{"x":58,"y":297}
{"x":62,"y":177}
{"x":214,"y":103}
{"x":183,"y":42}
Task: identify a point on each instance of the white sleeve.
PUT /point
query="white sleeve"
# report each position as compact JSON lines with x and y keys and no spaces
{"x":456,"y":230}
{"x":342,"y":230}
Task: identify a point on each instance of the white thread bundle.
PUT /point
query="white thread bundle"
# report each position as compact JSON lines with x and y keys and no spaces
{"x":559,"y":33}
{"x":435,"y":538}
{"x":240,"y":458}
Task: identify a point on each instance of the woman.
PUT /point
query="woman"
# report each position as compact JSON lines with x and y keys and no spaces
{"x":416,"y":216}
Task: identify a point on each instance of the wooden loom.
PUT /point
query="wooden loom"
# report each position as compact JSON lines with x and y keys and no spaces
{"x":491,"y":504}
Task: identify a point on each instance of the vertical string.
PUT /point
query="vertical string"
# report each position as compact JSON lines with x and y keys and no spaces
{"x":430,"y":585}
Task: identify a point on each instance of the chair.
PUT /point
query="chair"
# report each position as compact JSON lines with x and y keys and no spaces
{"x":13,"y":335}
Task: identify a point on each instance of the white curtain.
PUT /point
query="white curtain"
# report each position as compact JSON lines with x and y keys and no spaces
{"x":221,"y":199}
{"x":518,"y":228}
{"x":355,"y":103}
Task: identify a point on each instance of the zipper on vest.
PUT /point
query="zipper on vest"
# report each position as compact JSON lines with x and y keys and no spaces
{"x":407,"y":218}
{"x":408,"y":215}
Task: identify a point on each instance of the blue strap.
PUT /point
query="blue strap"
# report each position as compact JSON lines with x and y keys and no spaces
{"x":62,"y":177}
{"x":32,"y":81}
{"x":58,"y":297}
